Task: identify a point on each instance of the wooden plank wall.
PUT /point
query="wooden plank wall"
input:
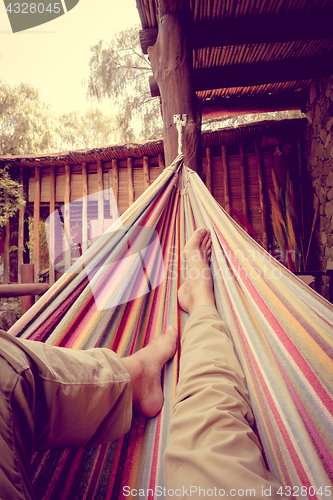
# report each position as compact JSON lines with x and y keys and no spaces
{"x":52,"y":187}
{"x":236,"y":178}
{"x":237,"y":175}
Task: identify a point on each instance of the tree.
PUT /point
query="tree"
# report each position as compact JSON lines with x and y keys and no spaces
{"x":10,"y":196}
{"x":92,"y":129}
{"x":27,"y":125}
{"x":119,"y":71}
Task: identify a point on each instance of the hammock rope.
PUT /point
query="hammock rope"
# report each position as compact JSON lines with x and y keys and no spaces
{"x":282,"y":332}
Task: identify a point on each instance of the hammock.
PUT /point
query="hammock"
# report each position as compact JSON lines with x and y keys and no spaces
{"x":282,"y":331}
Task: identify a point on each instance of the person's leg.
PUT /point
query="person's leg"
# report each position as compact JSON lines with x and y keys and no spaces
{"x":145,"y":367}
{"x":16,"y":442}
{"x":211,"y":444}
{"x":53,"y":397}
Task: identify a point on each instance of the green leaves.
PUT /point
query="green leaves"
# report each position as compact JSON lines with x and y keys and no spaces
{"x":10,"y":196}
{"x":92,"y":129}
{"x":119,"y":71}
{"x":26,"y":124}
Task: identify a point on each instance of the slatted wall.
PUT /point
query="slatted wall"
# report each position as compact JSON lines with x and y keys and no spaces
{"x":128,"y":179}
{"x":237,"y":165}
{"x":239,"y":177}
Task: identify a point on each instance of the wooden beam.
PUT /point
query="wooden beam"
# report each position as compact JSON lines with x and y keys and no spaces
{"x":67,"y":229}
{"x":113,"y":186}
{"x":147,"y":38}
{"x":225,"y":179}
{"x":243,"y":181}
{"x":146,"y":181}
{"x":20,"y":239}
{"x":261,"y":196}
{"x":315,"y":24}
{"x":209,"y":169}
{"x":154,"y":88}
{"x":84,"y":207}
{"x":36,"y":224}
{"x":100,"y":198}
{"x":130,"y":181}
{"x":246,"y":75}
{"x":115,"y":181}
{"x":26,"y":253}
{"x":171,"y":60}
{"x":16,"y":290}
{"x":52,"y":224}
{"x":110,"y":193}
{"x":27,"y":301}
{"x":228,"y":106}
{"x":6,"y":261}
{"x":161,"y":161}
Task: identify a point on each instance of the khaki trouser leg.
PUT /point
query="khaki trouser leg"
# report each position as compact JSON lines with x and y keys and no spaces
{"x":54,"y":397}
{"x":211,"y":444}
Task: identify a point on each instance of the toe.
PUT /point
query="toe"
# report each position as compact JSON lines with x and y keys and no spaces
{"x":205,"y":239}
{"x":208,"y":239}
{"x":199,"y":235}
{"x":172,"y":332}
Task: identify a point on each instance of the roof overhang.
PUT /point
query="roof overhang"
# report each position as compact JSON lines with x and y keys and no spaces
{"x":249,"y":58}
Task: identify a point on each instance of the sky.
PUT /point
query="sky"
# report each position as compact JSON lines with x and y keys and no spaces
{"x":54,"y":57}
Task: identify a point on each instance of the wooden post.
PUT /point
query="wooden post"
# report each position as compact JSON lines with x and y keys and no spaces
{"x":52,"y":225}
{"x":100,"y":198}
{"x":261,"y":196}
{"x":209,"y":170}
{"x":146,"y":180}
{"x":225,"y":179}
{"x":115,"y":180}
{"x":36,"y":224}
{"x":113,"y":204}
{"x":84,"y":208}
{"x":160,"y":161}
{"x":171,"y":59}
{"x":130,"y":181}
{"x":6,"y":262}
{"x":20,"y":240}
{"x":27,"y":277}
{"x":67,"y":216}
{"x":243,"y":181}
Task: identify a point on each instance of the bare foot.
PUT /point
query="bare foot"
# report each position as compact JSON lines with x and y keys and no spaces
{"x":197,"y":289}
{"x":145,"y":367}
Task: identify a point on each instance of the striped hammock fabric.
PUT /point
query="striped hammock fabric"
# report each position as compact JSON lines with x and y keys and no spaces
{"x":123,"y":292}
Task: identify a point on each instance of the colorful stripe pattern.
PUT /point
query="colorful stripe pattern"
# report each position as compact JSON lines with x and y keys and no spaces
{"x":282,"y":331}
